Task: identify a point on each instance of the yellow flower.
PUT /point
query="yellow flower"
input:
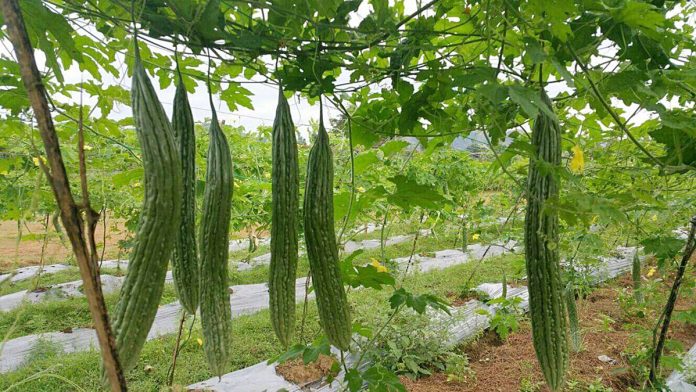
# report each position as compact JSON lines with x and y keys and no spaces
{"x":577,"y":163}
{"x":378,"y":266}
{"x":200,"y":341}
{"x":654,"y":217}
{"x":475,"y":236}
{"x":651,"y":272}
{"x":87,"y":147}
{"x":360,"y":189}
{"x":36,"y":160}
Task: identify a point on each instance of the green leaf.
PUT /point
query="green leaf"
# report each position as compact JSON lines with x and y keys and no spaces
{"x":418,"y":303}
{"x":382,"y":379}
{"x":640,"y":15}
{"x":127,"y":177}
{"x":392,"y":147}
{"x":663,"y":247}
{"x":529,"y":100}
{"x":411,"y":194}
{"x":365,"y":161}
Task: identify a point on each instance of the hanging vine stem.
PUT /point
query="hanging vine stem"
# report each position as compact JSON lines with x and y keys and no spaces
{"x":666,"y":316}
{"x":413,"y":247}
{"x":308,"y":280}
{"x":352,"y":165}
{"x":177,"y":348}
{"x":611,"y":111}
{"x":502,"y":226}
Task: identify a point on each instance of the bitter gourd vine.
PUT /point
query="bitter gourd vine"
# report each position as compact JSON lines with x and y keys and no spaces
{"x":159,"y":220}
{"x":185,"y":256}
{"x":320,"y":239}
{"x":546,"y":299}
{"x":216,"y":317}
{"x":284,"y":224}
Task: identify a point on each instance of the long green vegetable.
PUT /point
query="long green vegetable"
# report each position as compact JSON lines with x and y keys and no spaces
{"x":216,"y":317}
{"x":286,"y":190}
{"x":546,"y":299}
{"x":185,"y":257}
{"x":159,"y":219}
{"x":320,"y":238}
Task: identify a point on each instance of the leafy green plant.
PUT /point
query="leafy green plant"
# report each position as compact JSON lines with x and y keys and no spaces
{"x":506,"y":318}
{"x":409,"y":346}
{"x":457,"y":368}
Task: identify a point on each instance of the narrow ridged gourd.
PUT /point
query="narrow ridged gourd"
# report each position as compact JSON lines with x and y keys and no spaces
{"x":574,"y":326}
{"x":285,"y":209}
{"x":216,"y":316}
{"x":546,"y":299}
{"x":635,"y":274}
{"x":185,"y":256}
{"x":320,"y":240}
{"x":159,"y":220}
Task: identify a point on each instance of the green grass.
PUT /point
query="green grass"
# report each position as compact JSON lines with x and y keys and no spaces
{"x":40,"y":281}
{"x":253,"y":339}
{"x":53,"y":316}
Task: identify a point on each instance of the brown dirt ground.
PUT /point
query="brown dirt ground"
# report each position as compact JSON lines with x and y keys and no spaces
{"x":297,"y":372}
{"x":29,"y":250}
{"x":507,"y":366}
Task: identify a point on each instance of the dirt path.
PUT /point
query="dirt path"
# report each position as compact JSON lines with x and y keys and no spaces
{"x":512,"y":365}
{"x":28,"y":251}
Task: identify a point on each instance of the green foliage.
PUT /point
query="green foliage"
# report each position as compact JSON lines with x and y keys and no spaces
{"x":409,"y":346}
{"x":663,"y":247}
{"x":505,"y":319}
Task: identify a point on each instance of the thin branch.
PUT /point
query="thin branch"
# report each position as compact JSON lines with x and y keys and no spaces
{"x":611,"y":111}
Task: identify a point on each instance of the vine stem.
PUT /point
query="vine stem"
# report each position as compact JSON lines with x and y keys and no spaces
{"x":58,"y":178}
{"x":609,"y":109}
{"x":502,"y":226}
{"x":304,"y":307}
{"x":413,"y":247}
{"x":177,"y":347}
{"x":666,"y":316}
{"x":352,"y":165}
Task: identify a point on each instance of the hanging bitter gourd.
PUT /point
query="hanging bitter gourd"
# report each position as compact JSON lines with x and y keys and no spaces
{"x":320,"y":239}
{"x":216,"y":317}
{"x":159,"y":220}
{"x":285,"y":208}
{"x":635,"y":272}
{"x":546,"y":300}
{"x":185,"y":256}
{"x":575,"y":337}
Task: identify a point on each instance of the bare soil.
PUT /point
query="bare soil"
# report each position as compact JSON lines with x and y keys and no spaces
{"x":297,"y":372}
{"x":28,"y":251}
{"x":511,"y":365}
